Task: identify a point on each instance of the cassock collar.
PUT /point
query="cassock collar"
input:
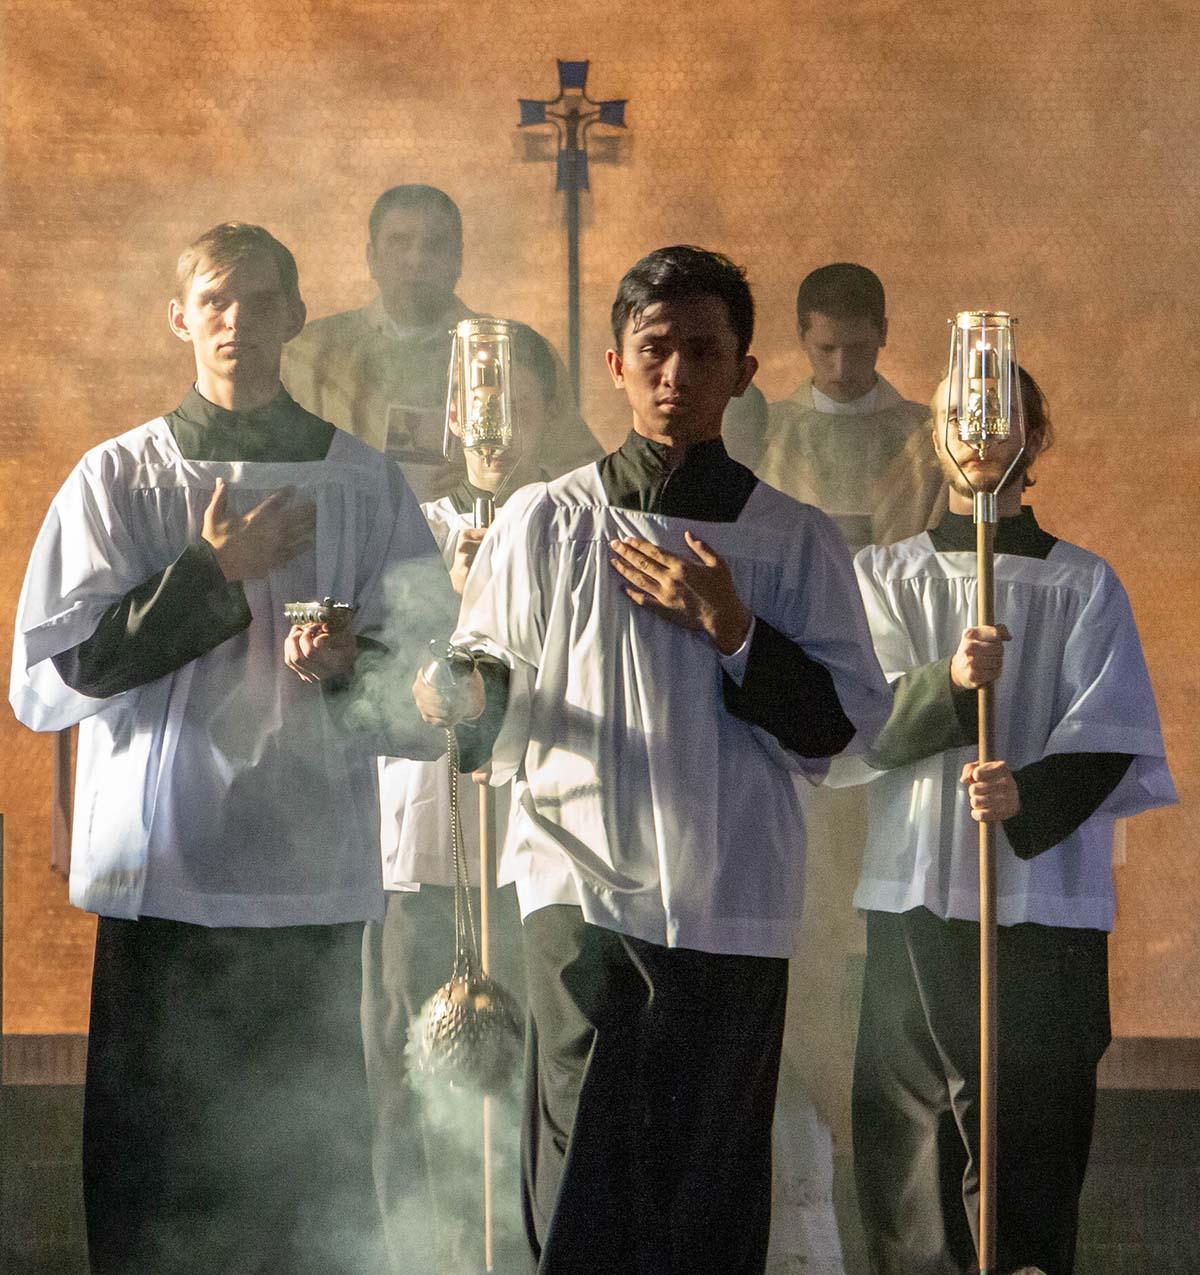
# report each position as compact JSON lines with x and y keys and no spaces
{"x":464,"y":495}
{"x":280,"y":430}
{"x":1019,"y":535}
{"x":707,"y":484}
{"x":200,"y":411}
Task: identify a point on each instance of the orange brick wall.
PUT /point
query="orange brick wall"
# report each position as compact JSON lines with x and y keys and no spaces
{"x":1044,"y":164}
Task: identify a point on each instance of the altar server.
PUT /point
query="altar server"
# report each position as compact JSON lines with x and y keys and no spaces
{"x":1078,"y":732}
{"x":426,"y":1172}
{"x":672,"y":644}
{"x":226,"y":814}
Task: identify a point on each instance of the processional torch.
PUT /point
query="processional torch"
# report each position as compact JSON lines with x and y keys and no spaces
{"x":985,"y":407}
{"x":472,"y":1027}
{"x":479,"y":401}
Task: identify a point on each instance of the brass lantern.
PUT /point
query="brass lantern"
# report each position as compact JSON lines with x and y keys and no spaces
{"x":983,"y":393}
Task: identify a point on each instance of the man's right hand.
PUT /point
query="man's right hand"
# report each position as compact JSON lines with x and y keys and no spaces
{"x":253,"y":544}
{"x":980,"y":656}
{"x":469,"y":540}
{"x":440,"y":708}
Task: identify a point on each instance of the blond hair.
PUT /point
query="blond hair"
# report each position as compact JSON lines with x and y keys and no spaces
{"x":220,"y":250}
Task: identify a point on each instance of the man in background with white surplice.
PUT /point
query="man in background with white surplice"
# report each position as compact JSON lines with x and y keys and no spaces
{"x":848,"y":442}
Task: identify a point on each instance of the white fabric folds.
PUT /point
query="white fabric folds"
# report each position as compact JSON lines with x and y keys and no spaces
{"x":414,"y":796}
{"x":638,"y":795}
{"x":1074,"y":681}
{"x":222,"y":793}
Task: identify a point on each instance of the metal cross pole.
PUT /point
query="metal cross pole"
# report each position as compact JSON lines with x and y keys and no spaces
{"x":573,"y":115}
{"x":485,"y":513}
{"x":480,"y":412}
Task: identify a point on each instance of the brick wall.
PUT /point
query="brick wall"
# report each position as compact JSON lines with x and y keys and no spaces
{"x":1039,"y":158}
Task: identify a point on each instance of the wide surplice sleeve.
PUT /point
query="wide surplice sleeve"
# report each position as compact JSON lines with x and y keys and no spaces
{"x":85,"y":563}
{"x":503,"y":620}
{"x":812,"y":685}
{"x":788,"y":693}
{"x":1104,"y":702}
{"x":920,"y":708}
{"x":177,"y":615}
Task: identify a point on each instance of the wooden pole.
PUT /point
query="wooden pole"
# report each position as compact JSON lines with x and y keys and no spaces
{"x":485,"y":512}
{"x":487,"y":873}
{"x":985,"y":534}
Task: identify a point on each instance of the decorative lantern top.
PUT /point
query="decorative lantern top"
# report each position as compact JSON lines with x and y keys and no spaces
{"x":983,"y":394}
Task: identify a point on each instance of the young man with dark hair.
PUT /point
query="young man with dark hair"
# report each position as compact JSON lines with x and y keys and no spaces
{"x":845,"y":440}
{"x":1078,"y":732}
{"x":845,"y":293}
{"x":226,"y":816}
{"x":667,"y":644}
{"x":380,"y":372}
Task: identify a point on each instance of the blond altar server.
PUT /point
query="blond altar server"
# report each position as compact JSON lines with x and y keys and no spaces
{"x":226,"y":813}
{"x":1077,"y":730}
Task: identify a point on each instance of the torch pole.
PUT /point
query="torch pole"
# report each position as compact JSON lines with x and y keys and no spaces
{"x":485,"y":512}
{"x":984,"y":400}
{"x":985,"y":534}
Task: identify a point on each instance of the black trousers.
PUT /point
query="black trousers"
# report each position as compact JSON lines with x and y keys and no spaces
{"x":916,"y":1091}
{"x":650,"y":1091}
{"x":427,"y":1138}
{"x":226,"y":1125}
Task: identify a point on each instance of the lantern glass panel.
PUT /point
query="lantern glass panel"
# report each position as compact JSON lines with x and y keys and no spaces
{"x":479,"y":401}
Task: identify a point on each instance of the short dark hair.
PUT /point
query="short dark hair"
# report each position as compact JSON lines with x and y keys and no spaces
{"x":842,"y":290}
{"x":682,"y":273}
{"x":226,"y":246}
{"x":415,"y":195}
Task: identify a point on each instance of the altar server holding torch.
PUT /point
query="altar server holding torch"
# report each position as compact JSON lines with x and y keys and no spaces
{"x":1077,"y":745}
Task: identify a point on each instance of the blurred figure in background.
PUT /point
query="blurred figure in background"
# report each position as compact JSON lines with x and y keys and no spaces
{"x":380,"y":372}
{"x":847,"y":442}
{"x":426,"y":1148}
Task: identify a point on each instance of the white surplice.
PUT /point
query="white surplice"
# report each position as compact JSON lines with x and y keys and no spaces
{"x":414,"y":796}
{"x":222,"y":793}
{"x":1074,"y":681}
{"x":638,"y":796}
